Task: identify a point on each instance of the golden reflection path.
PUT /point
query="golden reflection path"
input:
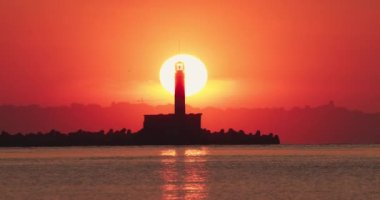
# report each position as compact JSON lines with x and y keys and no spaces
{"x":184,"y":173}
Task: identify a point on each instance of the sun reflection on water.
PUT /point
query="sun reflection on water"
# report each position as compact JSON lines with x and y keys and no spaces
{"x":168,"y":152}
{"x":195,"y":152}
{"x":184,"y":173}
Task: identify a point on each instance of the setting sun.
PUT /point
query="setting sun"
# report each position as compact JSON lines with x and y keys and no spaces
{"x":195,"y":73}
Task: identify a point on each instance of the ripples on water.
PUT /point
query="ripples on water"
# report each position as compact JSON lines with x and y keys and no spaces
{"x":212,"y":172}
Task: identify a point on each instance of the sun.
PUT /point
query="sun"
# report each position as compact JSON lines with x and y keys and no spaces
{"x":195,"y":74}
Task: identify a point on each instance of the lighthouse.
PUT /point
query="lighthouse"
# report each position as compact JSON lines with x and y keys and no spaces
{"x":178,"y":124}
{"x":179,"y":92}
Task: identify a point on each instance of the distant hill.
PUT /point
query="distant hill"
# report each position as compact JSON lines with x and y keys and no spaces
{"x":307,"y":125}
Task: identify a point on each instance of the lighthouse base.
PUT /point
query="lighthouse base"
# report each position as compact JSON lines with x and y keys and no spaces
{"x":172,"y":123}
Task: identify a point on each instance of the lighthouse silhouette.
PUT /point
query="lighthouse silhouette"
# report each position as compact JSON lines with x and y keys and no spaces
{"x":180,"y":123}
{"x":179,"y":92}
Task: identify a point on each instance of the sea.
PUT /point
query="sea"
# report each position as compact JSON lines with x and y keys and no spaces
{"x":192,"y":172}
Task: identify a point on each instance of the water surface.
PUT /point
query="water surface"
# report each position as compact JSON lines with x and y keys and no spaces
{"x":192,"y":172}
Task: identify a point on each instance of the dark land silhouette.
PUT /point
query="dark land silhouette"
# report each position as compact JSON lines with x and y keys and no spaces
{"x":325,"y":124}
{"x":126,"y":137}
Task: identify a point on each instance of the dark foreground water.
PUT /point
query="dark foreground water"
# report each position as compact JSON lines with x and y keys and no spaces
{"x":193,"y":172}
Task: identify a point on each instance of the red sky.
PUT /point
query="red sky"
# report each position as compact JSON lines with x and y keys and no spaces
{"x":258,"y":53}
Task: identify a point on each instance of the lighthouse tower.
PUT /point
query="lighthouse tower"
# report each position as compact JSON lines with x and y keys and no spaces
{"x":179,"y":93}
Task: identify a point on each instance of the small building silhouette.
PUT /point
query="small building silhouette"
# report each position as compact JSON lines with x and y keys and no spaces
{"x":170,"y":122}
{"x":179,"y":122}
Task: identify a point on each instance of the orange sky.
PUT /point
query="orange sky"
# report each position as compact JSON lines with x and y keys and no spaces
{"x":258,"y":53}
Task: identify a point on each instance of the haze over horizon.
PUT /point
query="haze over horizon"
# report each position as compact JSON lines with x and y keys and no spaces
{"x":257,"y":53}
{"x":168,"y":106}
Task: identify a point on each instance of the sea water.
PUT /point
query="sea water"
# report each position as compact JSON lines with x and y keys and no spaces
{"x":191,"y":172}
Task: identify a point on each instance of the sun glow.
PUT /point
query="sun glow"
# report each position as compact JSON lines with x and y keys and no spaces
{"x":195,"y":74}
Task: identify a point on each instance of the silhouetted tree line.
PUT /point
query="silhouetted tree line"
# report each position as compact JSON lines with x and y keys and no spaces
{"x":126,"y":137}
